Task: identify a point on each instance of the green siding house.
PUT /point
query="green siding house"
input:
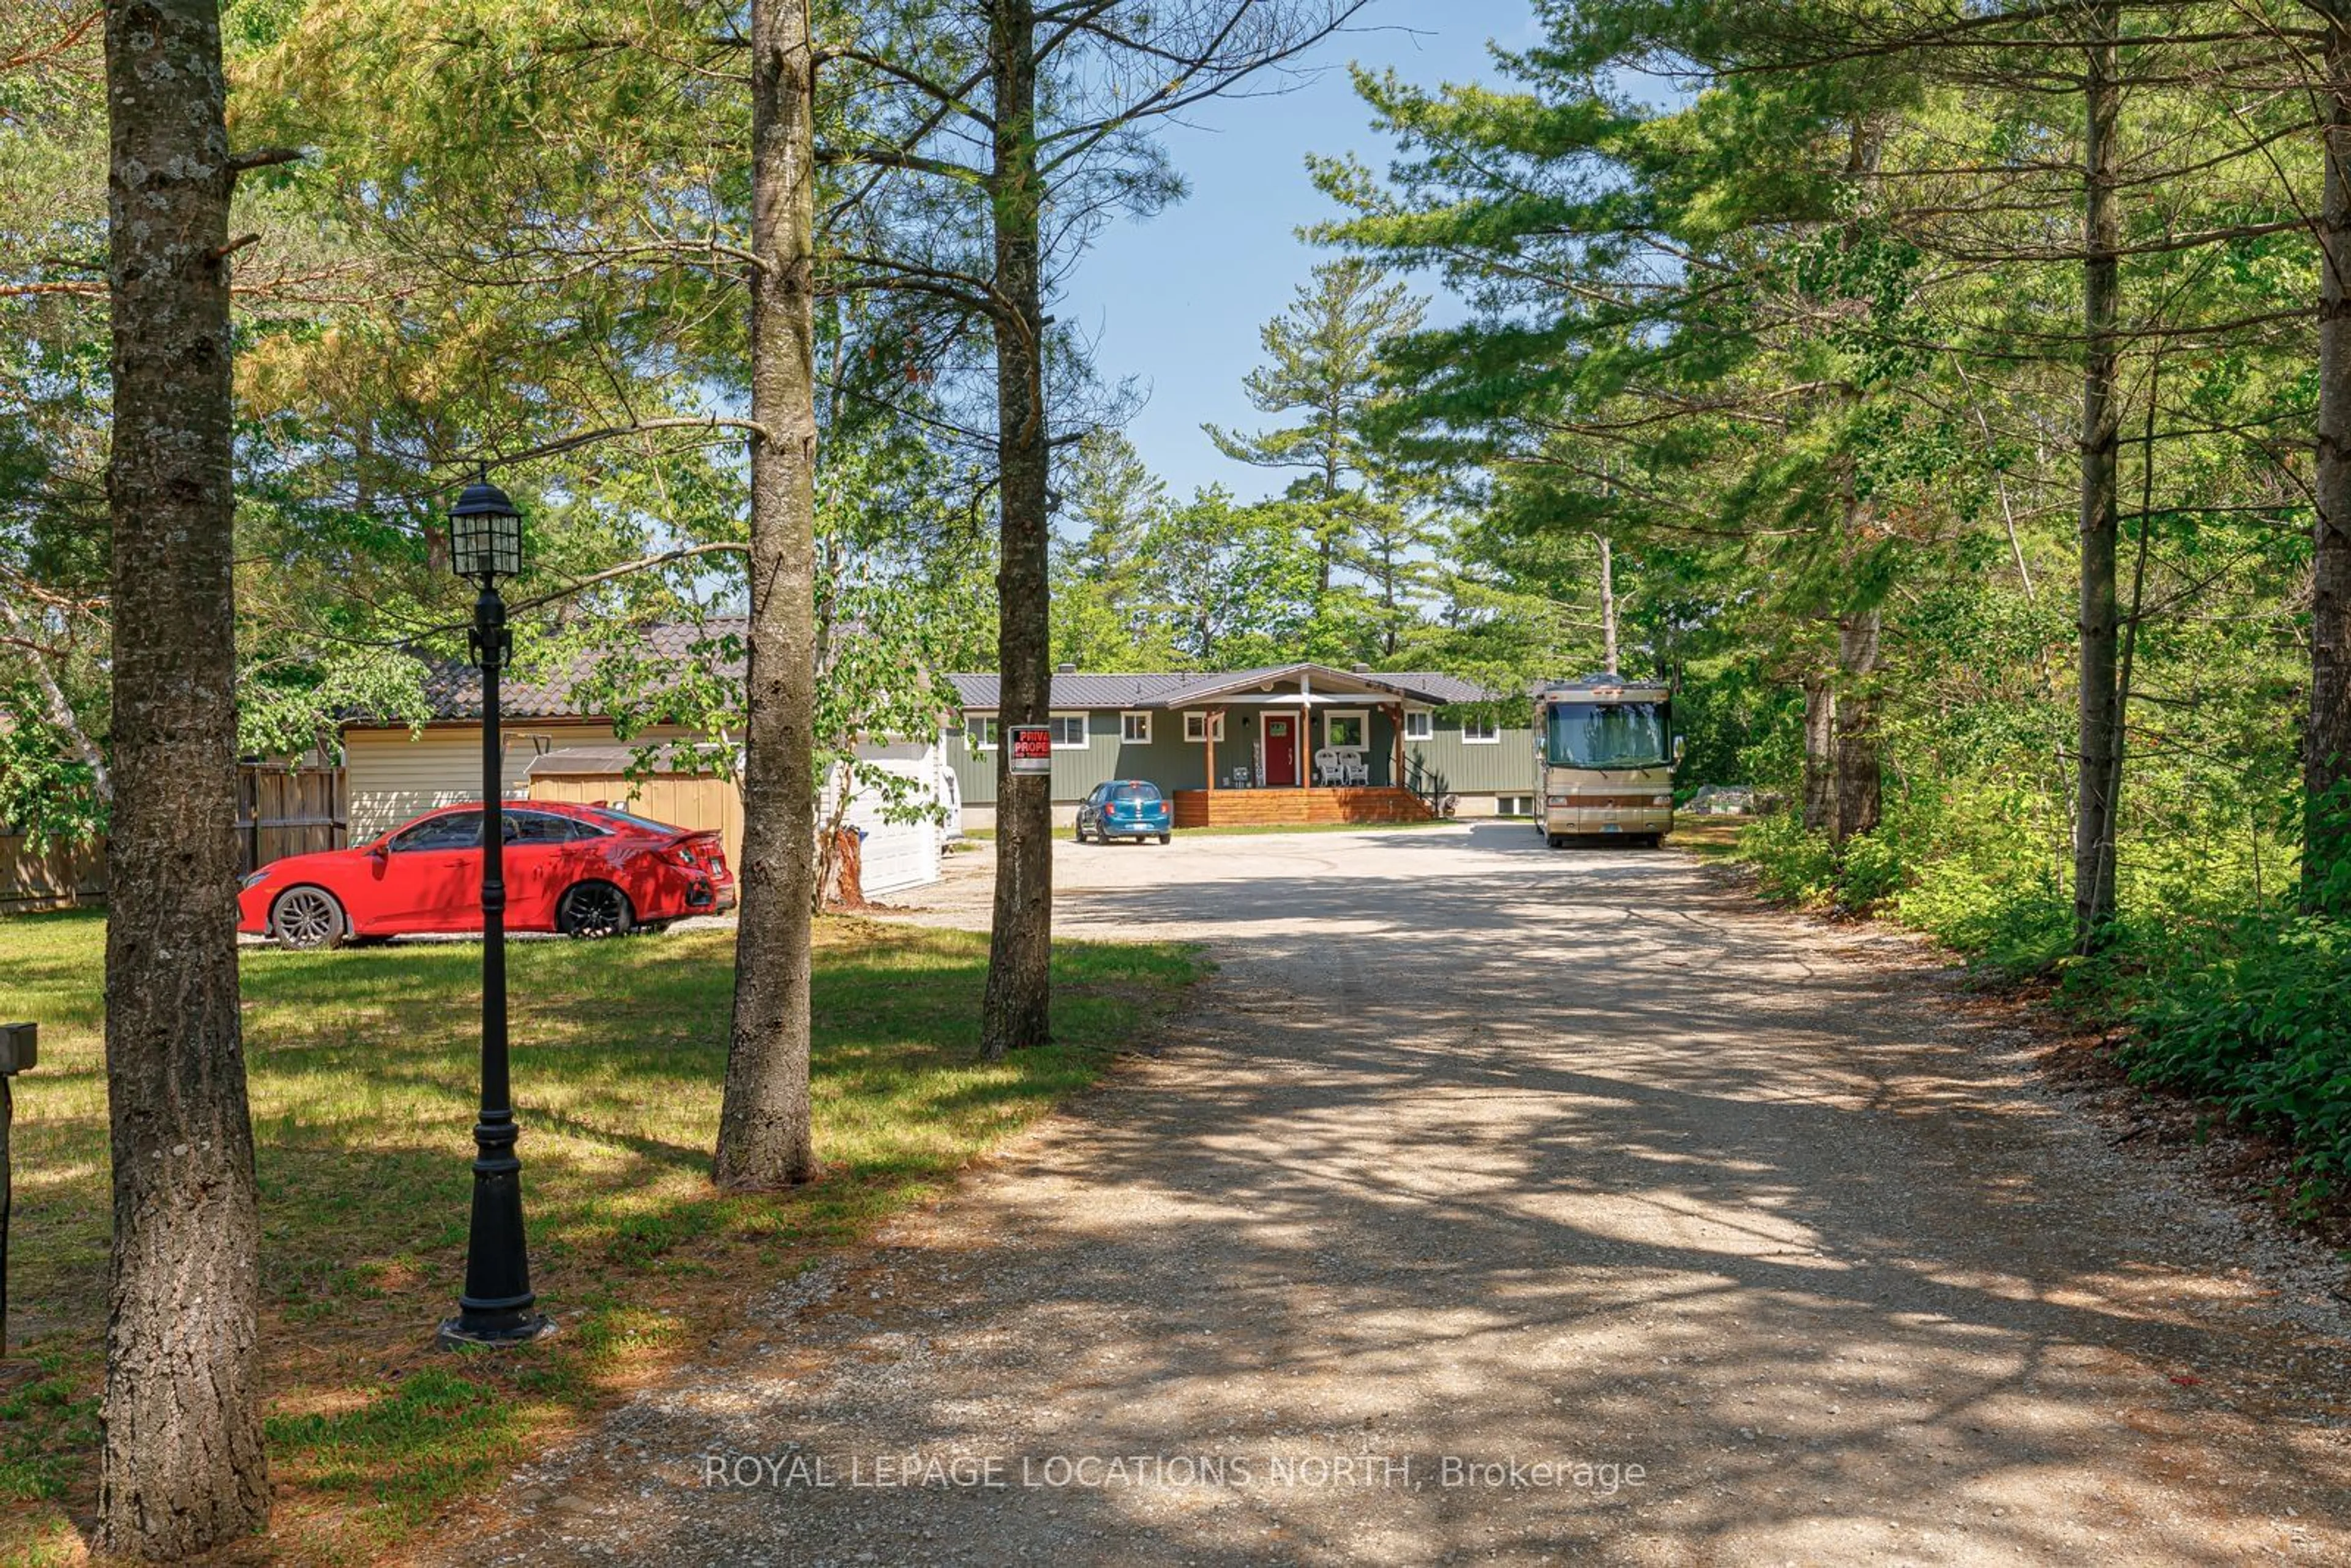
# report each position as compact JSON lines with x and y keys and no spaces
{"x":1244,"y":737}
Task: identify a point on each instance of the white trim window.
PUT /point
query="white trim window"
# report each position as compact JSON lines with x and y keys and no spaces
{"x":1346,"y":729}
{"x":1196,"y":726}
{"x":1419,"y":724}
{"x":979,"y":731}
{"x":1069,"y":732}
{"x":1475,"y":731}
{"x":1134,"y":729}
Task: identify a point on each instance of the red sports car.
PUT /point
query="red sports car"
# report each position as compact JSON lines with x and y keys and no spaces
{"x":585,"y":870}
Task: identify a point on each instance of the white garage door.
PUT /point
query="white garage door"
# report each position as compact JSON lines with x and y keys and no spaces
{"x":896,"y":855}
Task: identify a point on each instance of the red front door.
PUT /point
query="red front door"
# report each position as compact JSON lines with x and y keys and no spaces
{"x":1281,"y":751}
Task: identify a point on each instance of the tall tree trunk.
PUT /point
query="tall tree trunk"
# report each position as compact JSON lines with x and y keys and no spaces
{"x":1859,"y":770}
{"x":1820,"y":755}
{"x":2100,"y":717}
{"x":1607,"y":602}
{"x":182,"y":1470}
{"x":764,"y":1134}
{"x":1017,"y":1010}
{"x":2327,"y":770}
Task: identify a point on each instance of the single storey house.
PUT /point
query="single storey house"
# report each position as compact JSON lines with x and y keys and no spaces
{"x":1297,"y":743}
{"x":553,"y":750}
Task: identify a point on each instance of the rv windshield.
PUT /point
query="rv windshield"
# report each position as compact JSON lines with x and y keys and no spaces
{"x":1607,"y":734}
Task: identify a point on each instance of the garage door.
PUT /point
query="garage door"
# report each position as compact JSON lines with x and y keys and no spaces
{"x":896,"y":855}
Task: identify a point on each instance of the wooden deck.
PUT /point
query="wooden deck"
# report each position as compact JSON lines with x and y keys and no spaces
{"x":1296,"y":808}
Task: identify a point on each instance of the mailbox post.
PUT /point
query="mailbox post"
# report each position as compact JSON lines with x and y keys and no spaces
{"x":20,"y":1048}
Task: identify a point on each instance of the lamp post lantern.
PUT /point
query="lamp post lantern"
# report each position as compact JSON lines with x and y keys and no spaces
{"x":498,"y":1306}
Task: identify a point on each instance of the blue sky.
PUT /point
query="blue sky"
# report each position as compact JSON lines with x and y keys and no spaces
{"x":1175,"y":303}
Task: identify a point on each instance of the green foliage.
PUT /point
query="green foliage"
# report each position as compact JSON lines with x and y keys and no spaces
{"x":1230,"y":585}
{"x":46,"y":794}
{"x":1791,"y":866}
{"x":2254,"y":1018}
{"x":1102,"y":610}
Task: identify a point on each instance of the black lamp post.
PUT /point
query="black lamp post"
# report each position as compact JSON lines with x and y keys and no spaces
{"x":497,"y":1308}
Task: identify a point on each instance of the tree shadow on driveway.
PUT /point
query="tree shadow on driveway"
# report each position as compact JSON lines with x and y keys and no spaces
{"x":1525,"y":1158}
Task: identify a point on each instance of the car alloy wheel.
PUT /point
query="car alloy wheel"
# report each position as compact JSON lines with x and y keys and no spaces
{"x":306,"y":917}
{"x":593,"y":909}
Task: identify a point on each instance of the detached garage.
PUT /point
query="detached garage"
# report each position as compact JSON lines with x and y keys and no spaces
{"x":554,"y":751}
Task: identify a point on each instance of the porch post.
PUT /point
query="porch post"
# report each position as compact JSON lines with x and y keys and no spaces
{"x":1208,"y":739}
{"x":1395,"y":780}
{"x":1304,"y":750}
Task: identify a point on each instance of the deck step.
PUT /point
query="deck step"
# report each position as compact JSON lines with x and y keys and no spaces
{"x":1297,"y":808}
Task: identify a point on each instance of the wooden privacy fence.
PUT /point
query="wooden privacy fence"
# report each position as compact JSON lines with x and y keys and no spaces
{"x":598,"y":776}
{"x":56,"y":876}
{"x":281,"y":811}
{"x":284,"y":812}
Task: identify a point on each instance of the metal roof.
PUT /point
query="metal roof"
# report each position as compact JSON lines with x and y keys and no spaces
{"x":1085,"y":690}
{"x":453,"y":688}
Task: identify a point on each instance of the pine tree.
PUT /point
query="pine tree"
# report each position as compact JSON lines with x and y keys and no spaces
{"x":182,"y":1470}
{"x":1101,"y":617}
{"x":1324,"y":366}
{"x":1018,"y":129}
{"x":765,"y":1134}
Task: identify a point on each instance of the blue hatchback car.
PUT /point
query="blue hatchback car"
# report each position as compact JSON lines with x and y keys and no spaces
{"x":1127,"y":809}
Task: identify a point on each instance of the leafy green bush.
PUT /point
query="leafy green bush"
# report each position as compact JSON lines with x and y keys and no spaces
{"x":1791,"y":866}
{"x":1873,"y":869}
{"x":2261,"y":1026}
{"x":1868,"y":872}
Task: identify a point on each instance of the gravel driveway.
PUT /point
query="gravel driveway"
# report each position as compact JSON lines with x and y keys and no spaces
{"x":1500,"y":1205}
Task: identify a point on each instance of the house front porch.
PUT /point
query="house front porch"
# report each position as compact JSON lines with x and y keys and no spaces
{"x":1279,"y":806}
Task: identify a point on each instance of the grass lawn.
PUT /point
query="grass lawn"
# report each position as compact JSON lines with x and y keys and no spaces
{"x":1708,"y":838}
{"x":362,"y":1075}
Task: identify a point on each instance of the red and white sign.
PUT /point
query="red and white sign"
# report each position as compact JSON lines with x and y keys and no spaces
{"x":1030,"y":747}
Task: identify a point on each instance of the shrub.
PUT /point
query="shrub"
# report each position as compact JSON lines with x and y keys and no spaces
{"x":2263,"y":1026}
{"x":1791,"y":866}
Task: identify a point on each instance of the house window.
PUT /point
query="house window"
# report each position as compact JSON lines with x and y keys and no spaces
{"x":979,"y":732}
{"x":1135,"y":728}
{"x":1419,"y":725}
{"x":1480,"y":731}
{"x":1346,"y":731}
{"x":1068,"y":731}
{"x":1195,"y":727}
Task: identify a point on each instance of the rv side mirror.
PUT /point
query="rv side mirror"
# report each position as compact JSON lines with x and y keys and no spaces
{"x":1681,"y":744}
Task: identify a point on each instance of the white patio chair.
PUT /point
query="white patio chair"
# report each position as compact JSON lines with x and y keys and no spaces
{"x":1355,"y":771}
{"x":1326,"y":766}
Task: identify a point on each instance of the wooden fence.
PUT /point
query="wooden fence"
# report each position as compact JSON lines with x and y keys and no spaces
{"x":284,"y":812}
{"x":281,"y":811}
{"x":55,"y":877}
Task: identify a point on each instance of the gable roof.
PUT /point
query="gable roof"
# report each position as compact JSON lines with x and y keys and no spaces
{"x":453,"y":688}
{"x":1163,"y":691}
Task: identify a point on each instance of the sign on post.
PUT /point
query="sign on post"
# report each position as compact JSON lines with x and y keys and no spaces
{"x":1030,"y":750}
